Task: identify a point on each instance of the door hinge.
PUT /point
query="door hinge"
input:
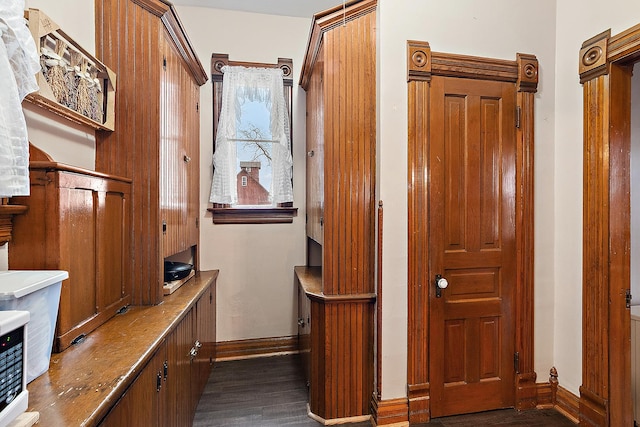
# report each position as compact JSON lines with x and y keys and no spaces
{"x":164,"y":62}
{"x":516,"y":362}
{"x":198,"y":107}
{"x":518,"y":115}
{"x":627,"y":297}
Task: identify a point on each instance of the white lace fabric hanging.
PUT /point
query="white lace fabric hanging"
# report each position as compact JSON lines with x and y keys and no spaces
{"x":19,"y":62}
{"x":241,"y":84}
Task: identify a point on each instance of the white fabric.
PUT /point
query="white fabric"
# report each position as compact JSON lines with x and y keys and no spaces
{"x":241,"y":84}
{"x":19,"y":62}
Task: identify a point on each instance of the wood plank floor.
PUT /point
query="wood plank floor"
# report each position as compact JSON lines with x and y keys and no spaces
{"x":270,"y":392}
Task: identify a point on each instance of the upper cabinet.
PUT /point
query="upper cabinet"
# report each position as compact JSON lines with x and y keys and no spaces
{"x":339,"y":75}
{"x":157,"y":128}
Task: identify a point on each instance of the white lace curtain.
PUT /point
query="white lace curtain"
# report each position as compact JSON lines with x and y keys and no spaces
{"x":240,"y":85}
{"x":19,"y":62}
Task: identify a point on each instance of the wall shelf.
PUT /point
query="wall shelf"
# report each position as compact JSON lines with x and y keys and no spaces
{"x":90,"y":103}
{"x":6,"y":220}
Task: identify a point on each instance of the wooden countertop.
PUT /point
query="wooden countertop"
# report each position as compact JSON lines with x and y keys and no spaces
{"x":310,"y":280}
{"x":86,"y":380}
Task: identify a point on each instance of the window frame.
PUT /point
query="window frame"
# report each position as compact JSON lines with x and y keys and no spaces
{"x":224,"y":213}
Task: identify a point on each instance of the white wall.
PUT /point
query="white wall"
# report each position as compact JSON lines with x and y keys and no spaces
{"x":491,"y":28}
{"x":577,"y":21}
{"x":63,"y":140}
{"x":256,"y":293}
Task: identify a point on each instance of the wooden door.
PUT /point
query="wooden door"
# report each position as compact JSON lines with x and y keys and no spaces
{"x":472,"y":163}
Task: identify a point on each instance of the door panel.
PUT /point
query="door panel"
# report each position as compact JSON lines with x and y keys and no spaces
{"x":472,"y":244}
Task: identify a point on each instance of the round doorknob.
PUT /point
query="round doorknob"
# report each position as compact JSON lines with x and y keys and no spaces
{"x":442,"y":283}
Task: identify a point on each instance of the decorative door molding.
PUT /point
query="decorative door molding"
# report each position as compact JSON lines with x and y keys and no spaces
{"x":523,"y":72}
{"x":605,"y":68}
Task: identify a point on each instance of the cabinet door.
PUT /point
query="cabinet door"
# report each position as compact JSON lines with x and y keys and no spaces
{"x":145,"y":402}
{"x":179,"y":150}
{"x":206,"y":337}
{"x":304,"y":332}
{"x":180,"y":342}
{"x":77,"y":216}
{"x":315,"y":156}
{"x":114,"y":249}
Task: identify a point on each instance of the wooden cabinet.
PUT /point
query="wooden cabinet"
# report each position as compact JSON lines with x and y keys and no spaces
{"x":168,"y":389}
{"x":157,"y":131}
{"x":146,"y":401}
{"x":78,"y":220}
{"x":339,"y":74}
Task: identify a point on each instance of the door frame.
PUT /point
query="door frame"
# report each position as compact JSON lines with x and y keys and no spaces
{"x":605,"y":71}
{"x":422,"y":64}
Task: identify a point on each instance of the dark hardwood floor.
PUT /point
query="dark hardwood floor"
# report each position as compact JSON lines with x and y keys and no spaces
{"x":270,"y":392}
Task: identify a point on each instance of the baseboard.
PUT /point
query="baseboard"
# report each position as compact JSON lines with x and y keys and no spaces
{"x":337,"y":421}
{"x":390,"y":413}
{"x":545,"y":394}
{"x":257,"y":347}
{"x":552,"y":395}
{"x":568,"y":404}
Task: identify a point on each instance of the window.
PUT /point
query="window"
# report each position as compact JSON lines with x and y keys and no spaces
{"x":252,"y":179}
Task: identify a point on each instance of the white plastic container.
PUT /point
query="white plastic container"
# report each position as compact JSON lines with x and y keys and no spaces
{"x":38,"y":292}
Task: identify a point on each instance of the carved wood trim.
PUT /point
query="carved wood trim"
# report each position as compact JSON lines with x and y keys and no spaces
{"x":605,"y":71}
{"x":390,"y":412}
{"x":593,"y":57}
{"x":219,"y":60}
{"x":422,"y":64}
{"x":527,"y":73}
{"x":326,"y":21}
{"x":418,"y":316}
{"x":419,"y":60}
{"x":525,"y":397}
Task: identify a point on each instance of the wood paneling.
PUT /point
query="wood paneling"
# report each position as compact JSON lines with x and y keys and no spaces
{"x":422,"y":66}
{"x":156,"y":136}
{"x":341,"y":349}
{"x":179,"y":152}
{"x":338,"y":75}
{"x":339,"y":66}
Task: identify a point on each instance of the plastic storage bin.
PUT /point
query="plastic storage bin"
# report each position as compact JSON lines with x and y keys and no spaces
{"x":37,"y":292}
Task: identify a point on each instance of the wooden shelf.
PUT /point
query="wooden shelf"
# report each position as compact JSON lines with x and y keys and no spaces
{"x":6,"y":220}
{"x":310,"y":279}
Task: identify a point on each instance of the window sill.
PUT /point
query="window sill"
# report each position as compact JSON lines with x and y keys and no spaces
{"x":253,"y":215}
